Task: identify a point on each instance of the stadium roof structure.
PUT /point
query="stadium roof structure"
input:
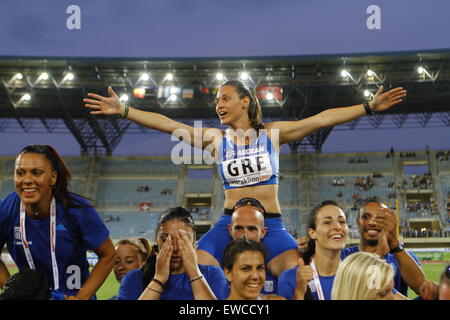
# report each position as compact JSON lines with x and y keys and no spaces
{"x":45,"y":95}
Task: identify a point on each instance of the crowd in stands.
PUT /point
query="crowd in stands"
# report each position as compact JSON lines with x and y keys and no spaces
{"x":143,"y":189}
{"x":338,"y":182}
{"x":358,"y":200}
{"x":423,"y":207}
{"x":407,"y":154}
{"x":363,"y":184}
{"x":200,"y":213}
{"x":110,"y":218}
{"x":419,"y":207}
{"x":377,"y":174}
{"x":426,"y":233}
{"x":443,"y":155}
{"x":358,"y":160}
{"x":421,"y":181}
{"x":167,"y":191}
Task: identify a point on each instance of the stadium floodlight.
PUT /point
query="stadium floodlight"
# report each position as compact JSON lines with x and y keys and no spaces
{"x":68,"y":77}
{"x":25,"y":97}
{"x":269,"y":96}
{"x":17,"y":76}
{"x":43,"y":76}
{"x":220,"y":76}
{"x":124,"y":97}
{"x":344,"y":73}
{"x":144,"y":77}
{"x":244,"y":76}
{"x":366,"y":93}
{"x":423,"y":71}
{"x":174,"y":90}
{"x":168,"y":77}
{"x":370,"y":73}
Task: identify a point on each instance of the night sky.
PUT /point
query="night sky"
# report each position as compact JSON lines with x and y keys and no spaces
{"x":233,"y":28}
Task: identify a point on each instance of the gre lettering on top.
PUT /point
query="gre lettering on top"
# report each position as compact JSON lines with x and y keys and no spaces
{"x":247,"y":167}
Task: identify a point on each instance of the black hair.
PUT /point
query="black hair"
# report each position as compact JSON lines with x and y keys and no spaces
{"x":60,"y":190}
{"x":239,"y":245}
{"x":250,"y":202}
{"x":254,"y":107}
{"x":311,"y":245}
{"x":27,"y":284}
{"x":365,"y":203}
{"x":176,"y":213}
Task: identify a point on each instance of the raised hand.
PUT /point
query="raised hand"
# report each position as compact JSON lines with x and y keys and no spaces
{"x":303,"y":276}
{"x":162,"y":271}
{"x":387,"y":221}
{"x":383,"y":245}
{"x":383,"y":101}
{"x":188,"y":254}
{"x":104,"y":105}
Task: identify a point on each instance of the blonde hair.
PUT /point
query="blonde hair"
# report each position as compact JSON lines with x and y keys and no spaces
{"x":141,"y":244}
{"x":361,"y":276}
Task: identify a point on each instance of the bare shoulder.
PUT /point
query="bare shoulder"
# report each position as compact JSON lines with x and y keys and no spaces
{"x":273,"y":125}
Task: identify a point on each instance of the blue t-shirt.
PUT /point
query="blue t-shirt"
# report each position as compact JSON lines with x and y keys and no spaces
{"x":77,"y":230}
{"x":288,"y":279}
{"x":400,"y":284}
{"x":178,"y":286}
{"x":271,"y":285}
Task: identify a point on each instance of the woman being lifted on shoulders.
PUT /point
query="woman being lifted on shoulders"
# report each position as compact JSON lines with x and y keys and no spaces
{"x":247,"y":156}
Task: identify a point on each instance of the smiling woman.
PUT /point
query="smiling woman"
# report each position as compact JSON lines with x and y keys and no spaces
{"x":244,"y":267}
{"x":313,"y":278}
{"x":42,"y":222}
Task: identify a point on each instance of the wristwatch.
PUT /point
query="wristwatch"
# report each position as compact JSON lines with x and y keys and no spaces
{"x":399,"y":248}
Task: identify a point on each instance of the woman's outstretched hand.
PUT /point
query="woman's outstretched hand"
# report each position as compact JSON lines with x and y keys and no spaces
{"x":383,"y":101}
{"x":104,"y":105}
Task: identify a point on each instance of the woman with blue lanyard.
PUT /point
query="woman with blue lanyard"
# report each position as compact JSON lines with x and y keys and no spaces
{"x":247,"y":156}
{"x":48,"y":228}
{"x":172,"y":272}
{"x":313,"y":278}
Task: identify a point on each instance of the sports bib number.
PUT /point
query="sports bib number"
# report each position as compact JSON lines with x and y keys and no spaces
{"x":247,"y":170}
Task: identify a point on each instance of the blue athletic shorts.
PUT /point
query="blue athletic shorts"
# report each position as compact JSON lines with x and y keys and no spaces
{"x":277,"y":239}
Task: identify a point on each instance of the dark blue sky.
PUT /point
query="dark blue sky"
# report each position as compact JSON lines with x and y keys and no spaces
{"x":217,"y":28}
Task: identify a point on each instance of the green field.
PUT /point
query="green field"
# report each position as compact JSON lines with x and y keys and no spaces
{"x":110,"y":287}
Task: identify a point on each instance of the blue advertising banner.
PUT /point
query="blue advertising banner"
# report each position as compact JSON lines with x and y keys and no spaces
{"x":216,"y":28}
